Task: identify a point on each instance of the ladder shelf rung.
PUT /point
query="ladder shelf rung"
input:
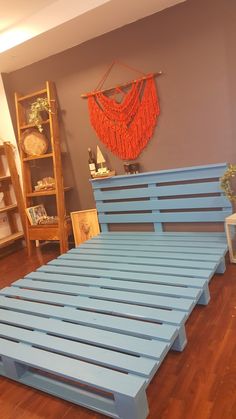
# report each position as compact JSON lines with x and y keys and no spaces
{"x":32,"y":95}
{"x":8,"y":208}
{"x":5,"y":178}
{"x":26,"y":126}
{"x":11,"y":238}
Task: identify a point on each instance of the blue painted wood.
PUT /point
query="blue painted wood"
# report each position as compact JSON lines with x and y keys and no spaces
{"x":67,"y":392}
{"x":123,"y":283}
{"x":132,"y":408}
{"x":181,"y":341}
{"x":205,"y":297}
{"x":80,"y":371}
{"x":90,"y":318}
{"x":163,"y":204}
{"x":172,"y":175}
{"x":221,"y":267}
{"x":201,"y":273}
{"x":159,"y":191}
{"x":172,"y":317}
{"x":77,"y":395}
{"x":165,"y":236}
{"x":167,"y":217}
{"x":160,"y":242}
{"x":107,"y":283}
{"x":157,"y":226}
{"x":119,"y":302}
{"x":131,"y":276}
{"x":100,"y":356}
{"x":178,"y":303}
{"x":12,"y":369}
{"x":176,"y":248}
{"x":150,"y":186}
{"x":103,"y":257}
{"x":103,"y":338}
{"x":91,"y":251}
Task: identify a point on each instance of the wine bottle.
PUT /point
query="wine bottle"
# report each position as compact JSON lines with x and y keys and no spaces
{"x":91,"y":162}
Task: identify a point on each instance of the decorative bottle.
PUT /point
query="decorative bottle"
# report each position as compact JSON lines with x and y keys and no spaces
{"x":91,"y":162}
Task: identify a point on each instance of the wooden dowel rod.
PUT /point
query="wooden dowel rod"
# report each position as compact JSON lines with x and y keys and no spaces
{"x":86,"y":95}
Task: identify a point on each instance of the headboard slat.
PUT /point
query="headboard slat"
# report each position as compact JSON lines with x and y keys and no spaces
{"x":187,"y":195}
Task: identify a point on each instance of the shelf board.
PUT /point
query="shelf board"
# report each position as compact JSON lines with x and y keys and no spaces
{"x":11,"y":238}
{"x":41,"y":156}
{"x":32,"y":95}
{"x":48,"y":231}
{"x":8,"y":208}
{"x":43,"y":226}
{"x":46,"y":121}
{"x":3,"y":178}
{"x":46,"y":193}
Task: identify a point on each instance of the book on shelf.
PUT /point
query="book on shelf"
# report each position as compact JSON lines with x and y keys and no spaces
{"x":36,"y":213}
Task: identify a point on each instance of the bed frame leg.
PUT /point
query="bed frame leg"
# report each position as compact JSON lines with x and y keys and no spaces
{"x":181,"y":340}
{"x":221,"y":267}
{"x":205,"y":296}
{"x":132,"y":407}
{"x":13,"y":369}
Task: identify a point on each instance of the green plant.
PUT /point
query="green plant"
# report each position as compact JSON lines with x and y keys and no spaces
{"x":35,"y":117}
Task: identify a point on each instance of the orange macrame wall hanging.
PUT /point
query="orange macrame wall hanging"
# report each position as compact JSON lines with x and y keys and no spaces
{"x":126,"y":127}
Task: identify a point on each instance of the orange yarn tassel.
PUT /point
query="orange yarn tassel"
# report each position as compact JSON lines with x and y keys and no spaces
{"x":125,"y":128}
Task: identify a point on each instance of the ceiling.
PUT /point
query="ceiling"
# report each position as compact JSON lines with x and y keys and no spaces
{"x":32,"y":30}
{"x":14,"y":11}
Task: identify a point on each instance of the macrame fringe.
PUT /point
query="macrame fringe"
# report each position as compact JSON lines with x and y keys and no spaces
{"x":125,"y":128}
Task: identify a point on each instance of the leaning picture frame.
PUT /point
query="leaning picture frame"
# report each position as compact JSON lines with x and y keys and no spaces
{"x":85,"y":225}
{"x":36,"y":213}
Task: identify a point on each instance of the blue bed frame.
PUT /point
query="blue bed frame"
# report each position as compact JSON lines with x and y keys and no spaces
{"x":101,"y":318}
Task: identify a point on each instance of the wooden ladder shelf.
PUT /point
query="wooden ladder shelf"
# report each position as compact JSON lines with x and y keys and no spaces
{"x":10,"y":207}
{"x":51,"y":161}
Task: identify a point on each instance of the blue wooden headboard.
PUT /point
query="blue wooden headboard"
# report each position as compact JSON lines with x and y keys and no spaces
{"x":185,"y":195}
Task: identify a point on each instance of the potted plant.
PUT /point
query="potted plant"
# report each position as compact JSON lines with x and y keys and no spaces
{"x":36,"y":112}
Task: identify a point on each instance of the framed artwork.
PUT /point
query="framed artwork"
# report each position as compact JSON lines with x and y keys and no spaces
{"x":36,"y":213}
{"x":85,"y":225}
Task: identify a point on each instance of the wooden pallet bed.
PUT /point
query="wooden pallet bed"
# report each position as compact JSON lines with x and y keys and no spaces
{"x":94,"y":325}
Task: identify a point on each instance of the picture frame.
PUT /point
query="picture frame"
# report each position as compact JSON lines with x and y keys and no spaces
{"x":36,"y":213}
{"x":85,"y":225}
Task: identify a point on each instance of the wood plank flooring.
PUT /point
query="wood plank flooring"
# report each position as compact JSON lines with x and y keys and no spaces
{"x":199,"y":383}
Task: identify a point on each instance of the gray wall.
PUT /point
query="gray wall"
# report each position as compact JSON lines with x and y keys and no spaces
{"x":194,"y":45}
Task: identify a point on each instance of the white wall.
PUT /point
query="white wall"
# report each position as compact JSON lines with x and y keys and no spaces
{"x":6,"y":134}
{"x":6,"y":127}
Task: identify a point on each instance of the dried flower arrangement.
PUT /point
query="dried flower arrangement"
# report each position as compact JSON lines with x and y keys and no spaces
{"x":225,"y":182}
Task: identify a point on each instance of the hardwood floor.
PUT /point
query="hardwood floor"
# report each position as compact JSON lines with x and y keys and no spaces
{"x":199,"y":383}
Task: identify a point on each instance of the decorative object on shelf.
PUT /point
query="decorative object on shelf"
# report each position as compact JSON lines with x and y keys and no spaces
{"x":91,"y":162}
{"x":101,"y":161}
{"x":48,"y":220}
{"x":125,"y":127}
{"x":45,"y":184}
{"x":36,"y":111}
{"x":230,"y":230}
{"x":36,"y":213}
{"x":225,"y":182}
{"x":33,"y":142}
{"x":102,"y":171}
{"x":85,"y":225}
{"x":131,"y":168}
{"x":109,"y":173}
